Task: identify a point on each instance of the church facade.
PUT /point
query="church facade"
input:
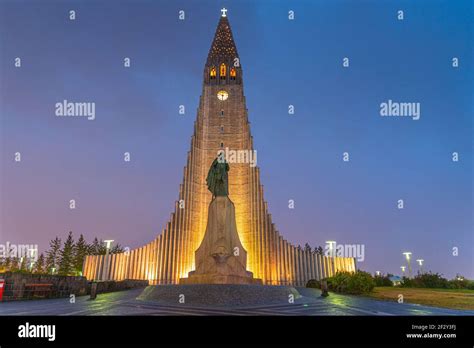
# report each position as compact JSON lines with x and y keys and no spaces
{"x":221,"y":123}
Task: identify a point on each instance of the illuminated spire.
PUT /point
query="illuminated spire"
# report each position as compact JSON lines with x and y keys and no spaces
{"x":223,"y":47}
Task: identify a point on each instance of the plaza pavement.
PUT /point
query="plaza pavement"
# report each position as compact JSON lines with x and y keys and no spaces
{"x":125,"y":303}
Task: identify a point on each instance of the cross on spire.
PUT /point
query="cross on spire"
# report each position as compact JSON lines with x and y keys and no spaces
{"x":224,"y":11}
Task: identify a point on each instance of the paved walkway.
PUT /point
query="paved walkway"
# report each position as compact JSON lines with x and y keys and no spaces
{"x":125,"y":303}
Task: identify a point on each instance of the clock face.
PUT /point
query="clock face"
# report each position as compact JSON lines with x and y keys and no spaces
{"x":222,"y":95}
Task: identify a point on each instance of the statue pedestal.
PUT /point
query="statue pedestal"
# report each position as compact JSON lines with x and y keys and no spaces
{"x":221,"y":258}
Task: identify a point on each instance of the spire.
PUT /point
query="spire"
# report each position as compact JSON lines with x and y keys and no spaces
{"x":223,"y":46}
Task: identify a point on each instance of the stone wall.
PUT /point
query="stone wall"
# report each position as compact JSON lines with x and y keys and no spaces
{"x":127,"y":284}
{"x":23,"y":286}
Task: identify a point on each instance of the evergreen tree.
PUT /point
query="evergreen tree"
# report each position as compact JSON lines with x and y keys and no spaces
{"x":94,"y":248}
{"x":66,"y":263}
{"x":23,"y":264}
{"x":8,"y":263}
{"x":39,"y":266}
{"x":53,"y":255}
{"x":15,"y":264}
{"x":97,"y":247}
{"x":2,"y":264}
{"x":319,"y":250}
{"x":81,"y":249}
{"x":7,"y":260}
{"x":117,"y":249}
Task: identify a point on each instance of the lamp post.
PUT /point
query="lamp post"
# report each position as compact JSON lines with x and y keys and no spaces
{"x":403,"y":270}
{"x":105,"y":267}
{"x":420,"y":263}
{"x":407,"y":256}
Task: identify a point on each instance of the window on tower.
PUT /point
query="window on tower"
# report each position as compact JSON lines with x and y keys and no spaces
{"x":213,"y":73}
{"x":233,"y":74}
{"x":223,"y":71}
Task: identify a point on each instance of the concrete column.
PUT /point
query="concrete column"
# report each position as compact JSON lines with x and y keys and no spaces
{"x":159,"y":259}
{"x":166,"y":255}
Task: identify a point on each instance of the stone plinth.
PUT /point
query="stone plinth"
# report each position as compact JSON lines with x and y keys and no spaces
{"x":219,"y":295}
{"x":221,"y":258}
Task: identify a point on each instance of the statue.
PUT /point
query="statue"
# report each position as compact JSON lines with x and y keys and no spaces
{"x":217,"y":178}
{"x":221,"y":257}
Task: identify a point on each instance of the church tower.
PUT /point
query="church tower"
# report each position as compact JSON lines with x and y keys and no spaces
{"x":221,"y":124}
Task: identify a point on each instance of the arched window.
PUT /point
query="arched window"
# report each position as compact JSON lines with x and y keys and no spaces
{"x":233,"y":74}
{"x":213,"y":73}
{"x":222,"y":71}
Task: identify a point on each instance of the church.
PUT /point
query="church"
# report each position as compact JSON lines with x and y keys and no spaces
{"x":221,"y":123}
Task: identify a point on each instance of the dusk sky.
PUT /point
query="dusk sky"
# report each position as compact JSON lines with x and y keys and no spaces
{"x":284,"y":62}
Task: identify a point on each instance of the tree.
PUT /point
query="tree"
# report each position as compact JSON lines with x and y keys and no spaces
{"x":319,"y":250}
{"x":39,"y":265}
{"x":8,"y":263}
{"x":14,"y":264}
{"x":81,"y":249}
{"x":9,"y":260}
{"x":67,"y":256}
{"x":307,"y":247}
{"x":96,"y":248}
{"x":23,"y":265}
{"x":53,"y":255}
{"x":117,"y":249}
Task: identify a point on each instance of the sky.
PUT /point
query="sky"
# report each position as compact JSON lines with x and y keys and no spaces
{"x":284,"y":62}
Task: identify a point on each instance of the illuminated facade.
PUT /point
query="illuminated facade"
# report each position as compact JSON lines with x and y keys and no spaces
{"x":222,"y":122}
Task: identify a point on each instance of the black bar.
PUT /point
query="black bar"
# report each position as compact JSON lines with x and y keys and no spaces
{"x":138,"y":330}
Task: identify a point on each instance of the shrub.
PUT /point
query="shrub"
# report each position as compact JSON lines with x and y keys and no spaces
{"x":426,"y":280}
{"x":313,"y":283}
{"x":382,"y":281}
{"x":459,"y":282}
{"x":356,"y":283}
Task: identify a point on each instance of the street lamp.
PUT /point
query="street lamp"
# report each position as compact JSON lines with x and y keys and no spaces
{"x":403,"y":270}
{"x":108,"y":243}
{"x":407,"y":256}
{"x":420,"y":263}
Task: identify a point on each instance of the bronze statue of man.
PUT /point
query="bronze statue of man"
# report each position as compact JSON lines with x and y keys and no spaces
{"x":217,"y":178}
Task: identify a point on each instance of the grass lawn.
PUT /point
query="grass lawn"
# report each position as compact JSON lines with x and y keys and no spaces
{"x":448,"y":298}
